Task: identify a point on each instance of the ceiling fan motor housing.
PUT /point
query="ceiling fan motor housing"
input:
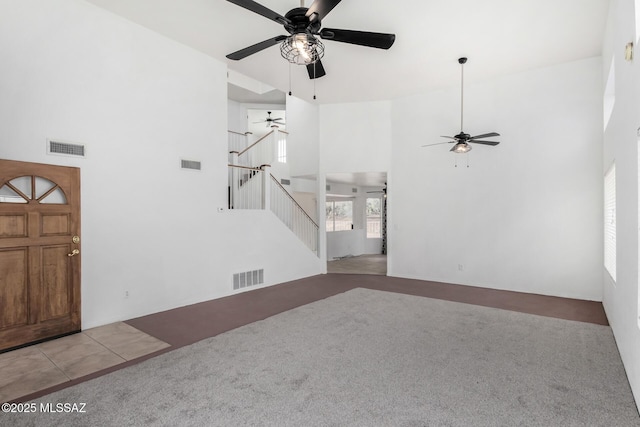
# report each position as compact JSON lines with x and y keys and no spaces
{"x":300,"y":22}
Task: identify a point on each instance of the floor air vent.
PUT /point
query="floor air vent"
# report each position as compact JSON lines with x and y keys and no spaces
{"x":248,"y":278}
{"x":65,"y":148}
{"x":190,"y":164}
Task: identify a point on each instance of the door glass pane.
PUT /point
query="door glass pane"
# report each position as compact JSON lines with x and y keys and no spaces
{"x":7,"y":195}
{"x":42,"y":186}
{"x":56,"y":197}
{"x":23,"y":183}
{"x":374,"y":218}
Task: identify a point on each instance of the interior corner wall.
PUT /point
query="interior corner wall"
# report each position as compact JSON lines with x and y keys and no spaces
{"x":74,"y":72}
{"x":621,"y":138}
{"x":303,"y":124}
{"x":237,"y":116}
{"x":525,"y":215}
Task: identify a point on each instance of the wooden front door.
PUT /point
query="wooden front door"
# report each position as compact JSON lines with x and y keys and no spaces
{"x":39,"y":252}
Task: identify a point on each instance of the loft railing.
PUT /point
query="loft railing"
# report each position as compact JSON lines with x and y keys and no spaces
{"x":256,"y":188}
{"x":237,"y":141}
{"x":267,"y":150}
{"x":284,"y":206}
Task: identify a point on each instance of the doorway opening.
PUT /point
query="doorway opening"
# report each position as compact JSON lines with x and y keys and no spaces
{"x":356,"y":232}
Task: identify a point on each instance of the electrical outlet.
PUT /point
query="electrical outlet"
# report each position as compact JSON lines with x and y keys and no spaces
{"x":460,"y":267}
{"x":126,"y":294}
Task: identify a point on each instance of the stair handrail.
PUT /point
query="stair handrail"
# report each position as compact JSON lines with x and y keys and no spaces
{"x":275,"y":180}
{"x":288,"y":210}
{"x":254,"y":144}
{"x":240,"y":133}
{"x":246,"y":167}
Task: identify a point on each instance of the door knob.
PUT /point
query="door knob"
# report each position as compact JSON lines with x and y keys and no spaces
{"x":73,"y":253}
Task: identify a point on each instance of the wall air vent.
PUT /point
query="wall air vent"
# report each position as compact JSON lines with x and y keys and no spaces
{"x":248,"y":278}
{"x":354,"y":190}
{"x":285,"y":181}
{"x":65,"y":148}
{"x":190,"y":164}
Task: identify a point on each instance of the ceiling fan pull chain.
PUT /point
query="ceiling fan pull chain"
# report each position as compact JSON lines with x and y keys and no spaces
{"x":467,"y":159}
{"x":314,"y":80}
{"x":289,"y":78}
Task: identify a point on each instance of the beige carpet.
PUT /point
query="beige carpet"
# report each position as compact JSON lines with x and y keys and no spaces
{"x":369,"y":358}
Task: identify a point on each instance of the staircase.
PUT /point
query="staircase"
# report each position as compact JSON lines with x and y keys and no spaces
{"x":254,"y":187}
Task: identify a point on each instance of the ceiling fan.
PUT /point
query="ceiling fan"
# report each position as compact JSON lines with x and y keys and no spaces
{"x":463,"y":139}
{"x":270,"y":122}
{"x":303,"y":24}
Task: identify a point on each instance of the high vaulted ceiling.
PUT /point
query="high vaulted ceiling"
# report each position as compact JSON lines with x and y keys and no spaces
{"x":499,"y":37}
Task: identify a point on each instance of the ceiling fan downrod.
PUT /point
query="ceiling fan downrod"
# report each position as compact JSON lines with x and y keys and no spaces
{"x":462,"y":61}
{"x":463,"y":139}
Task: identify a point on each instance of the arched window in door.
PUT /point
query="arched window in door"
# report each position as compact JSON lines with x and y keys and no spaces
{"x":31,"y":189}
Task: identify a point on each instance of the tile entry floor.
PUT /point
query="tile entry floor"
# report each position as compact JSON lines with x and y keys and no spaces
{"x":37,"y":367}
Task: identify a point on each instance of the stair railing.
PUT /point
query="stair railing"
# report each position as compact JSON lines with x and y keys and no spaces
{"x":237,"y":141}
{"x":246,"y":187}
{"x":285,"y":207}
{"x":256,"y":188}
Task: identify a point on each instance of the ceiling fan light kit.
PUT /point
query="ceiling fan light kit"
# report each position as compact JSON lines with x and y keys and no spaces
{"x":302,"y":49}
{"x":461,"y":147}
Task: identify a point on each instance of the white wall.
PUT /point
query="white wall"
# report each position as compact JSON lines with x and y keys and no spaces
{"x":140,"y":102}
{"x":343,"y":243}
{"x":355,"y":137}
{"x":237,"y":117}
{"x":621,"y":145}
{"x":302,"y":143}
{"x":308,"y":202}
{"x":526,"y":215}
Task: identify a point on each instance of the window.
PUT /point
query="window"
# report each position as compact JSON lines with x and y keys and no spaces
{"x":23,"y":189}
{"x":339,"y":215}
{"x":610,"y":221}
{"x":374,"y":217}
{"x":282,"y":147}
